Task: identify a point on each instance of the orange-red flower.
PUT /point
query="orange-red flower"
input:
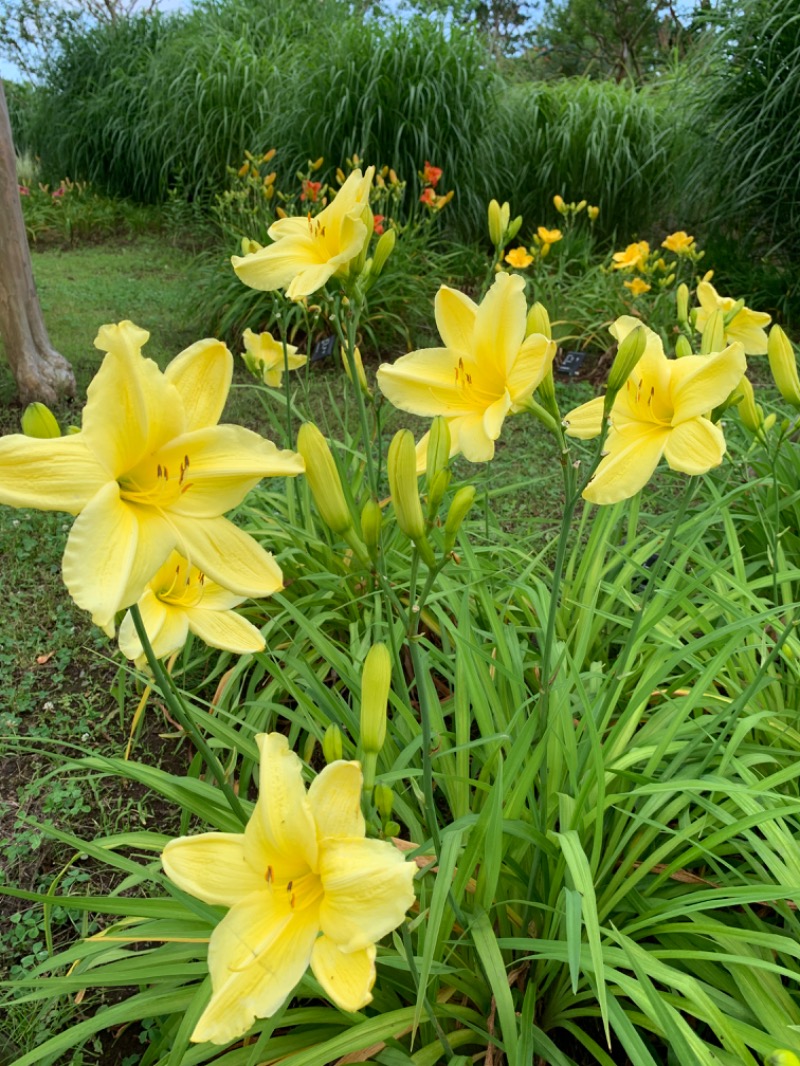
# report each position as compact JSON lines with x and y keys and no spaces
{"x":311,"y":190}
{"x":428,"y":196}
{"x":378,"y":221}
{"x":431,"y":174}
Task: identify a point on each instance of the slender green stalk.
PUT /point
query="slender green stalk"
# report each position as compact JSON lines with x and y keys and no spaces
{"x":173,"y":700}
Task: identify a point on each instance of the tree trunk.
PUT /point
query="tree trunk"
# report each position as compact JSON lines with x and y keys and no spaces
{"x":41,"y":373}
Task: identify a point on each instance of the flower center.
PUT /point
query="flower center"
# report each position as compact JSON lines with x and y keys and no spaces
{"x":300,"y":892}
{"x":155,"y":485}
{"x":475,"y":388}
{"x":186,"y":587}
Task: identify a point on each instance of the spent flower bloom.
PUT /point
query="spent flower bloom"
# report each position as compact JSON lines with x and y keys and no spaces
{"x":633,"y":257}
{"x":149,"y":472}
{"x":746,"y":326}
{"x":306,"y":252}
{"x":180,"y":599}
{"x":264,"y":357}
{"x":487,"y":368}
{"x":661,"y":410}
{"x":304,"y":886}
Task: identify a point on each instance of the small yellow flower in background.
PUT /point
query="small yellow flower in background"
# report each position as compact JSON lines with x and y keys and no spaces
{"x":548,"y":236}
{"x":519,"y":258}
{"x":486,"y":370}
{"x":265,"y":359}
{"x":149,"y":472}
{"x":180,"y":599}
{"x":633,"y":257}
{"x":592,"y":212}
{"x":660,"y":411}
{"x":304,"y":886}
{"x":638,"y":286}
{"x":746,"y":326}
{"x":679,"y":242}
{"x":307,"y":251}
{"x":558,"y":203}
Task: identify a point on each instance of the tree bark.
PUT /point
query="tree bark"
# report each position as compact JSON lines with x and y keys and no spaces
{"x":41,"y":373}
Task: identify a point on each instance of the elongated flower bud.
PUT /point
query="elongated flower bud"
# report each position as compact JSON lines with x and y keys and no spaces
{"x":538,"y":321}
{"x":402,"y":471}
{"x":323,"y":479}
{"x":371,"y":522}
{"x":750,"y":412}
{"x":513,"y":228}
{"x":384,"y":801}
{"x":713,"y":339}
{"x":459,"y":508}
{"x":437,"y":488}
{"x":682,"y":302}
{"x":783,"y":365}
{"x":438,"y":454}
{"x":332,"y":744}
{"x":498,"y":222}
{"x":376,"y":681}
{"x":629,"y":353}
{"x":360,"y":372}
{"x":39,"y":421}
{"x":682,"y":347}
{"x":782,"y":1058}
{"x":383,"y":249}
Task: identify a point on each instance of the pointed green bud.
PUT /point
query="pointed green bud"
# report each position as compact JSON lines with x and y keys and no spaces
{"x":547,"y":392}
{"x":39,"y":421}
{"x":513,"y":228}
{"x":376,"y":681}
{"x":683,"y":347}
{"x":323,"y":479}
{"x":713,"y":339}
{"x":438,"y":488}
{"x":384,"y":801}
{"x":783,"y":364}
{"x":459,"y":508}
{"x":682,"y":301}
{"x":750,"y":412}
{"x":498,"y":222}
{"x":538,"y":321}
{"x":629,"y":353}
{"x":438,"y":455}
{"x":371,"y":522}
{"x":782,"y":1058}
{"x":332,"y":744}
{"x":383,"y":250}
{"x":402,"y":470}
{"x":728,"y":316}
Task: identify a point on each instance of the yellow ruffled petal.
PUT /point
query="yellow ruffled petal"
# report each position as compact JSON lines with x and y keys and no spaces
{"x":213,"y":867}
{"x":275,"y":266}
{"x":160,"y":629}
{"x":586,"y":421}
{"x":530,"y":367}
{"x":424,"y":383}
{"x":281,"y":833}
{"x":347,"y":979}
{"x":368,"y":889}
{"x":495,"y":414}
{"x":702,"y":382}
{"x":455,"y":320}
{"x":473,"y":441}
{"x":335,"y":801}
{"x":633,"y":455}
{"x":748,"y":329}
{"x":228,"y":555}
{"x":256,"y":956}
{"x":694,"y":447}
{"x":310,"y":278}
{"x":500,"y":323}
{"x":224,"y":629}
{"x":54,"y":474}
{"x":202,"y":375}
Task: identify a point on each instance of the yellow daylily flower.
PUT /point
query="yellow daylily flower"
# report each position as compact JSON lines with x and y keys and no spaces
{"x":638,"y":286}
{"x":548,"y":236}
{"x":306,"y":252}
{"x":519,"y":258}
{"x":486,"y":370}
{"x":679,"y":242}
{"x":746,"y":327}
{"x":662,"y":410}
{"x":149,"y":472}
{"x":179,"y":600}
{"x":265,"y":359}
{"x":632,"y":258}
{"x":304,"y":887}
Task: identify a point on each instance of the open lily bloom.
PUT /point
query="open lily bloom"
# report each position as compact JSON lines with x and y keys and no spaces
{"x":149,"y":472}
{"x":486,"y":370}
{"x":180,"y":599}
{"x":747,"y":327}
{"x":662,"y":410}
{"x":306,"y":252}
{"x":304,"y":887}
{"x":265,"y":357}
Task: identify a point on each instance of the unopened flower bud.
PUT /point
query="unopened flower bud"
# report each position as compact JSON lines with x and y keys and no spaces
{"x":538,"y":321}
{"x":783,"y":1058}
{"x":713,"y":339}
{"x":332,"y":744}
{"x":39,"y":421}
{"x":683,"y":347}
{"x":438,"y":454}
{"x":558,"y":203}
{"x":436,"y":490}
{"x":371,"y":521}
{"x":459,"y":508}
{"x":360,"y":372}
{"x":749,"y":411}
{"x":402,"y":471}
{"x":592,"y":212}
{"x":580,"y":206}
{"x":323,"y":479}
{"x":384,"y":801}
{"x":629,"y":353}
{"x":728,"y":316}
{"x":770,"y":421}
{"x":376,"y":681}
{"x":547,"y":392}
{"x":498,"y":222}
{"x":783,"y":365}
{"x":383,"y":249}
{"x":250,"y":246}
{"x":682,"y":301}
{"x":513,"y":228}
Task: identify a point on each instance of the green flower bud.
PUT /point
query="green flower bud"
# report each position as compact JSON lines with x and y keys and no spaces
{"x":332,"y":744}
{"x":547,"y":392}
{"x":629,"y":353}
{"x":513,"y":229}
{"x":783,"y":365}
{"x":371,"y":522}
{"x":402,"y":471}
{"x":323,"y":479}
{"x":728,"y":316}
{"x":438,"y":449}
{"x":682,"y":301}
{"x":750,"y":412}
{"x":683,"y":347}
{"x":538,"y":321}
{"x":498,"y":222}
{"x":436,"y":492}
{"x":783,"y":1058}
{"x":39,"y":421}
{"x":459,"y":508}
{"x":713,"y":339}
{"x":383,"y":250}
{"x":384,"y":800}
{"x":376,"y":681}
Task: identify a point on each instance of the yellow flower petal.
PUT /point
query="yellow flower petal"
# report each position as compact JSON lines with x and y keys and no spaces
{"x":55,"y":474}
{"x":500,"y":326}
{"x":202,"y":375}
{"x":166,"y":630}
{"x":213,"y":867}
{"x":633,"y":454}
{"x":471,"y":438}
{"x":335,"y":801}
{"x":424,"y":383}
{"x":495,"y":414}
{"x":224,"y":629}
{"x":368,"y":889}
{"x":586,"y":421}
{"x":256,"y":957}
{"x":702,"y":382}
{"x":346,"y":978}
{"x":532,"y":363}
{"x":228,"y":555}
{"x":695,"y":447}
{"x":455,"y":320}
